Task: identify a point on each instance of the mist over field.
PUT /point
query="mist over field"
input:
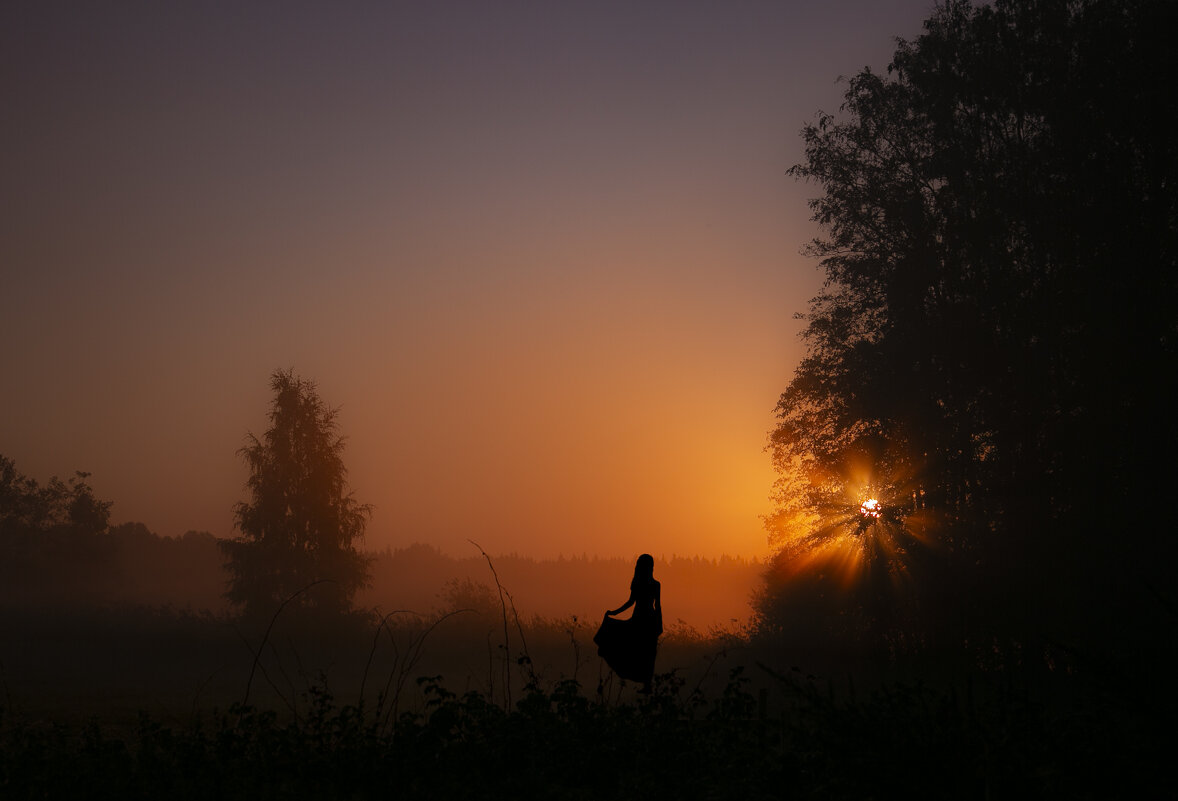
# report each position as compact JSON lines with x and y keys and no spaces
{"x":700,"y":593}
{"x":131,"y":567}
{"x":110,"y":621}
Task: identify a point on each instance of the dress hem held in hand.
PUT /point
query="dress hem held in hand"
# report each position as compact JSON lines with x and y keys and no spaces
{"x":629,"y":646}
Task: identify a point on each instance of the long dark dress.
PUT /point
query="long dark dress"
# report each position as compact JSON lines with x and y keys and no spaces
{"x":629,"y":646}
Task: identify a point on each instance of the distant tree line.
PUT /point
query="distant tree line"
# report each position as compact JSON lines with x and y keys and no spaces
{"x":59,"y":550}
{"x":702,"y":592}
{"x":995,"y":352}
{"x":52,"y":560}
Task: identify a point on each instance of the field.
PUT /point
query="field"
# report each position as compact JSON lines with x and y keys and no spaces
{"x":156,"y":703}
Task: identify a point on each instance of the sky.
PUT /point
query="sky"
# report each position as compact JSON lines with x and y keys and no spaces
{"x":543,"y":256}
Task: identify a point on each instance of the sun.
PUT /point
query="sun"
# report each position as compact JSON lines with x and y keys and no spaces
{"x":870,"y":509}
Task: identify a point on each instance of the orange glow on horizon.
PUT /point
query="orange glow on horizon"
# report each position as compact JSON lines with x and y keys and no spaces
{"x":563,"y":335}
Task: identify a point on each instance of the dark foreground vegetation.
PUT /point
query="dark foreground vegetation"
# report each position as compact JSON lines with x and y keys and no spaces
{"x":161,"y":705}
{"x":793,"y":739}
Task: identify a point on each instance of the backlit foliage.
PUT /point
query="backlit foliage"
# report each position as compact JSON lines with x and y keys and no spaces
{"x":996,"y":337}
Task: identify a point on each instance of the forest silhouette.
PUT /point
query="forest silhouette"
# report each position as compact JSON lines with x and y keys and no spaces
{"x":970,"y":594}
{"x":993,"y":356}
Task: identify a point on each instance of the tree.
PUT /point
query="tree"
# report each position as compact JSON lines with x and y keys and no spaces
{"x":301,"y":523}
{"x":26,"y":506}
{"x":54,"y":543}
{"x":994,"y":351}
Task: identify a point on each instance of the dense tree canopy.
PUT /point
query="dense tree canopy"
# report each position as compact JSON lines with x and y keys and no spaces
{"x":52,"y":536}
{"x":26,"y":506}
{"x":994,"y":351}
{"x":301,"y":524}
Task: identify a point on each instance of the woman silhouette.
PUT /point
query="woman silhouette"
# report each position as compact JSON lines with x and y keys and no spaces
{"x":628,"y":646}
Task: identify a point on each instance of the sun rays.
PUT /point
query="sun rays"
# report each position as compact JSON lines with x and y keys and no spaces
{"x":864,"y":531}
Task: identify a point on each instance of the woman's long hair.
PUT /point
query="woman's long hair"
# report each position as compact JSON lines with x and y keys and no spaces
{"x":643,"y":574}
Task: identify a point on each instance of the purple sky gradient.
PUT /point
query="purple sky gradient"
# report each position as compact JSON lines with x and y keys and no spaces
{"x":543,"y":255}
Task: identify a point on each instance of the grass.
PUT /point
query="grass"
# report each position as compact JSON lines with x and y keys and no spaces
{"x":559,"y":742}
{"x":413,"y":706}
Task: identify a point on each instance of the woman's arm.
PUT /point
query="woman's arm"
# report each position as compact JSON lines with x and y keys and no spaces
{"x":621,"y":608}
